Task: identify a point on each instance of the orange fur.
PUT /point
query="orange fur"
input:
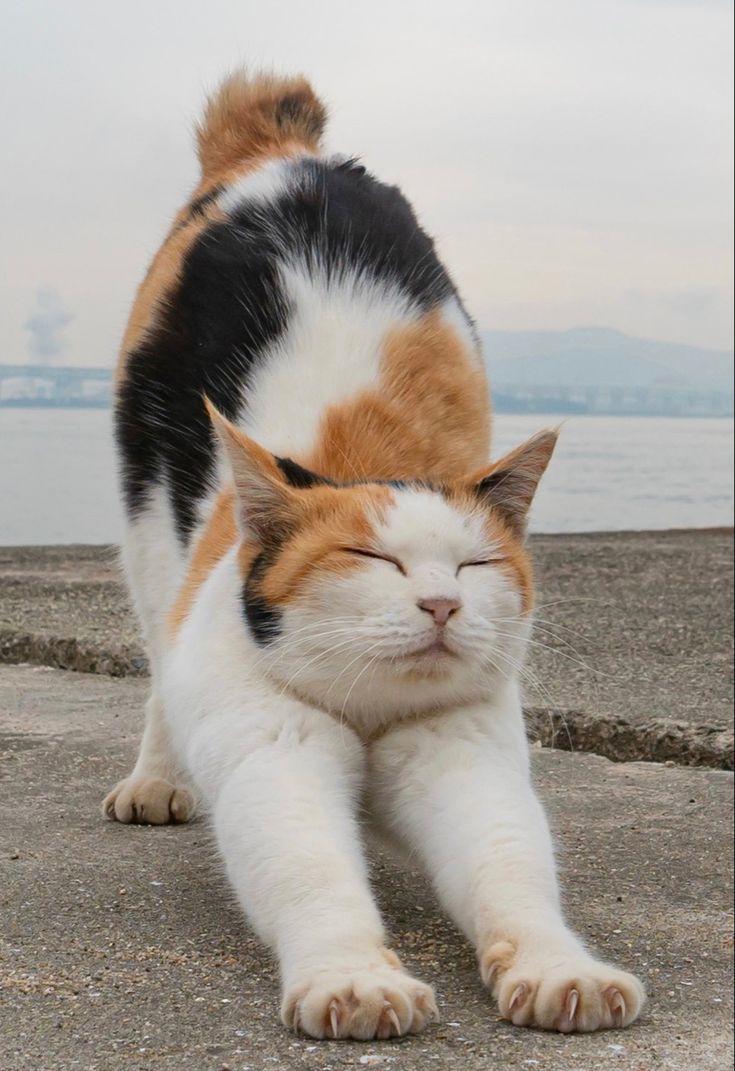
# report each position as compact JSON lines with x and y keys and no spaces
{"x":427,"y":418}
{"x":516,"y":564}
{"x":246,"y":123}
{"x":220,"y":533}
{"x":521,"y":470}
{"x":329,"y":520}
{"x":160,"y":279}
{"x":251,"y":118}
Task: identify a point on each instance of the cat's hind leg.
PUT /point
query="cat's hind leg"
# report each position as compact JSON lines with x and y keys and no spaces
{"x":155,"y":792}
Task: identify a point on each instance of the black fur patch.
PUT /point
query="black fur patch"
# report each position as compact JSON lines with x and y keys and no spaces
{"x":298,"y":476}
{"x":229,"y":307}
{"x":196,"y":208}
{"x":264,"y":620}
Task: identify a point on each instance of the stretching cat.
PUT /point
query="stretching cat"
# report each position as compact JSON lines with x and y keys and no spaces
{"x":332,"y":580}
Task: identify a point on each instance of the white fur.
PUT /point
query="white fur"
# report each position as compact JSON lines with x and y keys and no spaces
{"x":259,"y":186}
{"x":282,"y":779}
{"x":331,"y":350}
{"x":154,"y":567}
{"x":283,"y":744}
{"x":344,"y":639}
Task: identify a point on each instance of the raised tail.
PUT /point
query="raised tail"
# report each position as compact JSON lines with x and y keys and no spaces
{"x":248,"y":117}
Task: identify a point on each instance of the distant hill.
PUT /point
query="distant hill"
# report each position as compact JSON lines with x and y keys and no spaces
{"x":592,"y":370}
{"x":602,"y":357}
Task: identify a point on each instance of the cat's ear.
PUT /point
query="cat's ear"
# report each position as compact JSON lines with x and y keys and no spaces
{"x":264,"y":496}
{"x":510,"y":484}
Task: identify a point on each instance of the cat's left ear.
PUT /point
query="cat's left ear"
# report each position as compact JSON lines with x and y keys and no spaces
{"x":510,"y":484}
{"x":264,"y":496}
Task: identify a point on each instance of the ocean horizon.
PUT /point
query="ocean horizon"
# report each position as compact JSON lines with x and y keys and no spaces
{"x":58,"y":474}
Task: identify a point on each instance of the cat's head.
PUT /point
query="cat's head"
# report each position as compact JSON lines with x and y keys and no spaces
{"x":379,"y":599}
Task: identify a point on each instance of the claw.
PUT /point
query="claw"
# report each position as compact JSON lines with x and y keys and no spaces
{"x":566,"y":1022}
{"x":334,"y":1020}
{"x":394,"y":1021}
{"x":519,"y":996}
{"x":616,"y":1003}
{"x":572,"y":1004}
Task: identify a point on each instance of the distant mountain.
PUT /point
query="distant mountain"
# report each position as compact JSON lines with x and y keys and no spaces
{"x":602,"y":357}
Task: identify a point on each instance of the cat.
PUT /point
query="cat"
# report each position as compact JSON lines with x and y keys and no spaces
{"x":332,"y":581}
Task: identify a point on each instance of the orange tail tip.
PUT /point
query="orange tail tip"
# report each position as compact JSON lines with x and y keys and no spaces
{"x":256,"y":116}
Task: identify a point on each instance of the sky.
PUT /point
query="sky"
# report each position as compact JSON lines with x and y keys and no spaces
{"x":572,"y":158}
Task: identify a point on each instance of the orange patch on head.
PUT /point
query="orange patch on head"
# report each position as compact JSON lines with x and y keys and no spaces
{"x":513,"y":558}
{"x":516,"y":564}
{"x":328,"y":522}
{"x":428,"y":418}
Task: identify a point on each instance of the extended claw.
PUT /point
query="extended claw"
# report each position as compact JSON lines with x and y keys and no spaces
{"x":572,"y":1004}
{"x":394,"y":1021}
{"x":616,"y":1003}
{"x":519,"y":996}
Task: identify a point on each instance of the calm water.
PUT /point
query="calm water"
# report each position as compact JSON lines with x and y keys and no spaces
{"x":58,"y":484}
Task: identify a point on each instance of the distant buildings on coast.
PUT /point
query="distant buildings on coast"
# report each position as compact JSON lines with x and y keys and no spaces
{"x":611,"y":401}
{"x":41,"y":386}
{"x":29,"y":386}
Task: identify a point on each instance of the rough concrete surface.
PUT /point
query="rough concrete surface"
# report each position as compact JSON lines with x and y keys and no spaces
{"x":122,"y":948}
{"x":631,"y":657}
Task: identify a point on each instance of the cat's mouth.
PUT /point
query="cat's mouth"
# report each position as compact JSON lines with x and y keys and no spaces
{"x":436,"y":648}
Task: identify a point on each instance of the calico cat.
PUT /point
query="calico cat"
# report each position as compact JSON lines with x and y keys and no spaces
{"x":332,"y":580}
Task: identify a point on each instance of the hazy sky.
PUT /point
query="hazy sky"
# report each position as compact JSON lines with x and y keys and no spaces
{"x":572,"y":157}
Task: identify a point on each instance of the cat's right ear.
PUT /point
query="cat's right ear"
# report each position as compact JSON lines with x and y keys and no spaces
{"x":264,"y":496}
{"x":509,"y":485}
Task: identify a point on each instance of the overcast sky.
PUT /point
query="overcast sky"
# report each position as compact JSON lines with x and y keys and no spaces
{"x":572,"y":157}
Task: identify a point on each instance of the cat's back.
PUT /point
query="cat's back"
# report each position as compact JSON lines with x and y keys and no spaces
{"x":302,"y":297}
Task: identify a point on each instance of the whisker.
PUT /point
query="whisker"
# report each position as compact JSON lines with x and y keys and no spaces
{"x":322,"y":654}
{"x":356,"y":659}
{"x":357,"y":678}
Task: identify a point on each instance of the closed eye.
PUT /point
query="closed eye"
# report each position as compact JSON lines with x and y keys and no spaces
{"x":482,"y":561}
{"x":360,"y":552}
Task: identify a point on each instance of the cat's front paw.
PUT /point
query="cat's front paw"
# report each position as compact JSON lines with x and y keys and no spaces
{"x":375,"y":1002}
{"x":149,"y":801}
{"x":565,"y":993}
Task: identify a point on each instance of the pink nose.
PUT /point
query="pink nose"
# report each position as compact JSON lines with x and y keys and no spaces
{"x":440,"y":609}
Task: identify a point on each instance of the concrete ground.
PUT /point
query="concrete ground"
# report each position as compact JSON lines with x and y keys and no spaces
{"x":122,"y":948}
{"x":631,"y":658}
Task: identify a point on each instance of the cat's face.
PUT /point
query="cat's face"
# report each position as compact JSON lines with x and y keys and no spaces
{"x":374,"y":600}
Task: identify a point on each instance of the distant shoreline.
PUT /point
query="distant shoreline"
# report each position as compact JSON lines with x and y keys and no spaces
{"x":38,"y":403}
{"x":560,"y":409}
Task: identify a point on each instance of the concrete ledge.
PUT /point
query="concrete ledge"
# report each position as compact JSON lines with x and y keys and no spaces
{"x":621,"y":740}
{"x":123,"y":950}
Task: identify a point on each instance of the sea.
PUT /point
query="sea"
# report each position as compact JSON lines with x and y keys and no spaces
{"x":58,"y":477}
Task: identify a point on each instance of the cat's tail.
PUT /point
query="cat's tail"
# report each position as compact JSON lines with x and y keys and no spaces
{"x":262,"y":115}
